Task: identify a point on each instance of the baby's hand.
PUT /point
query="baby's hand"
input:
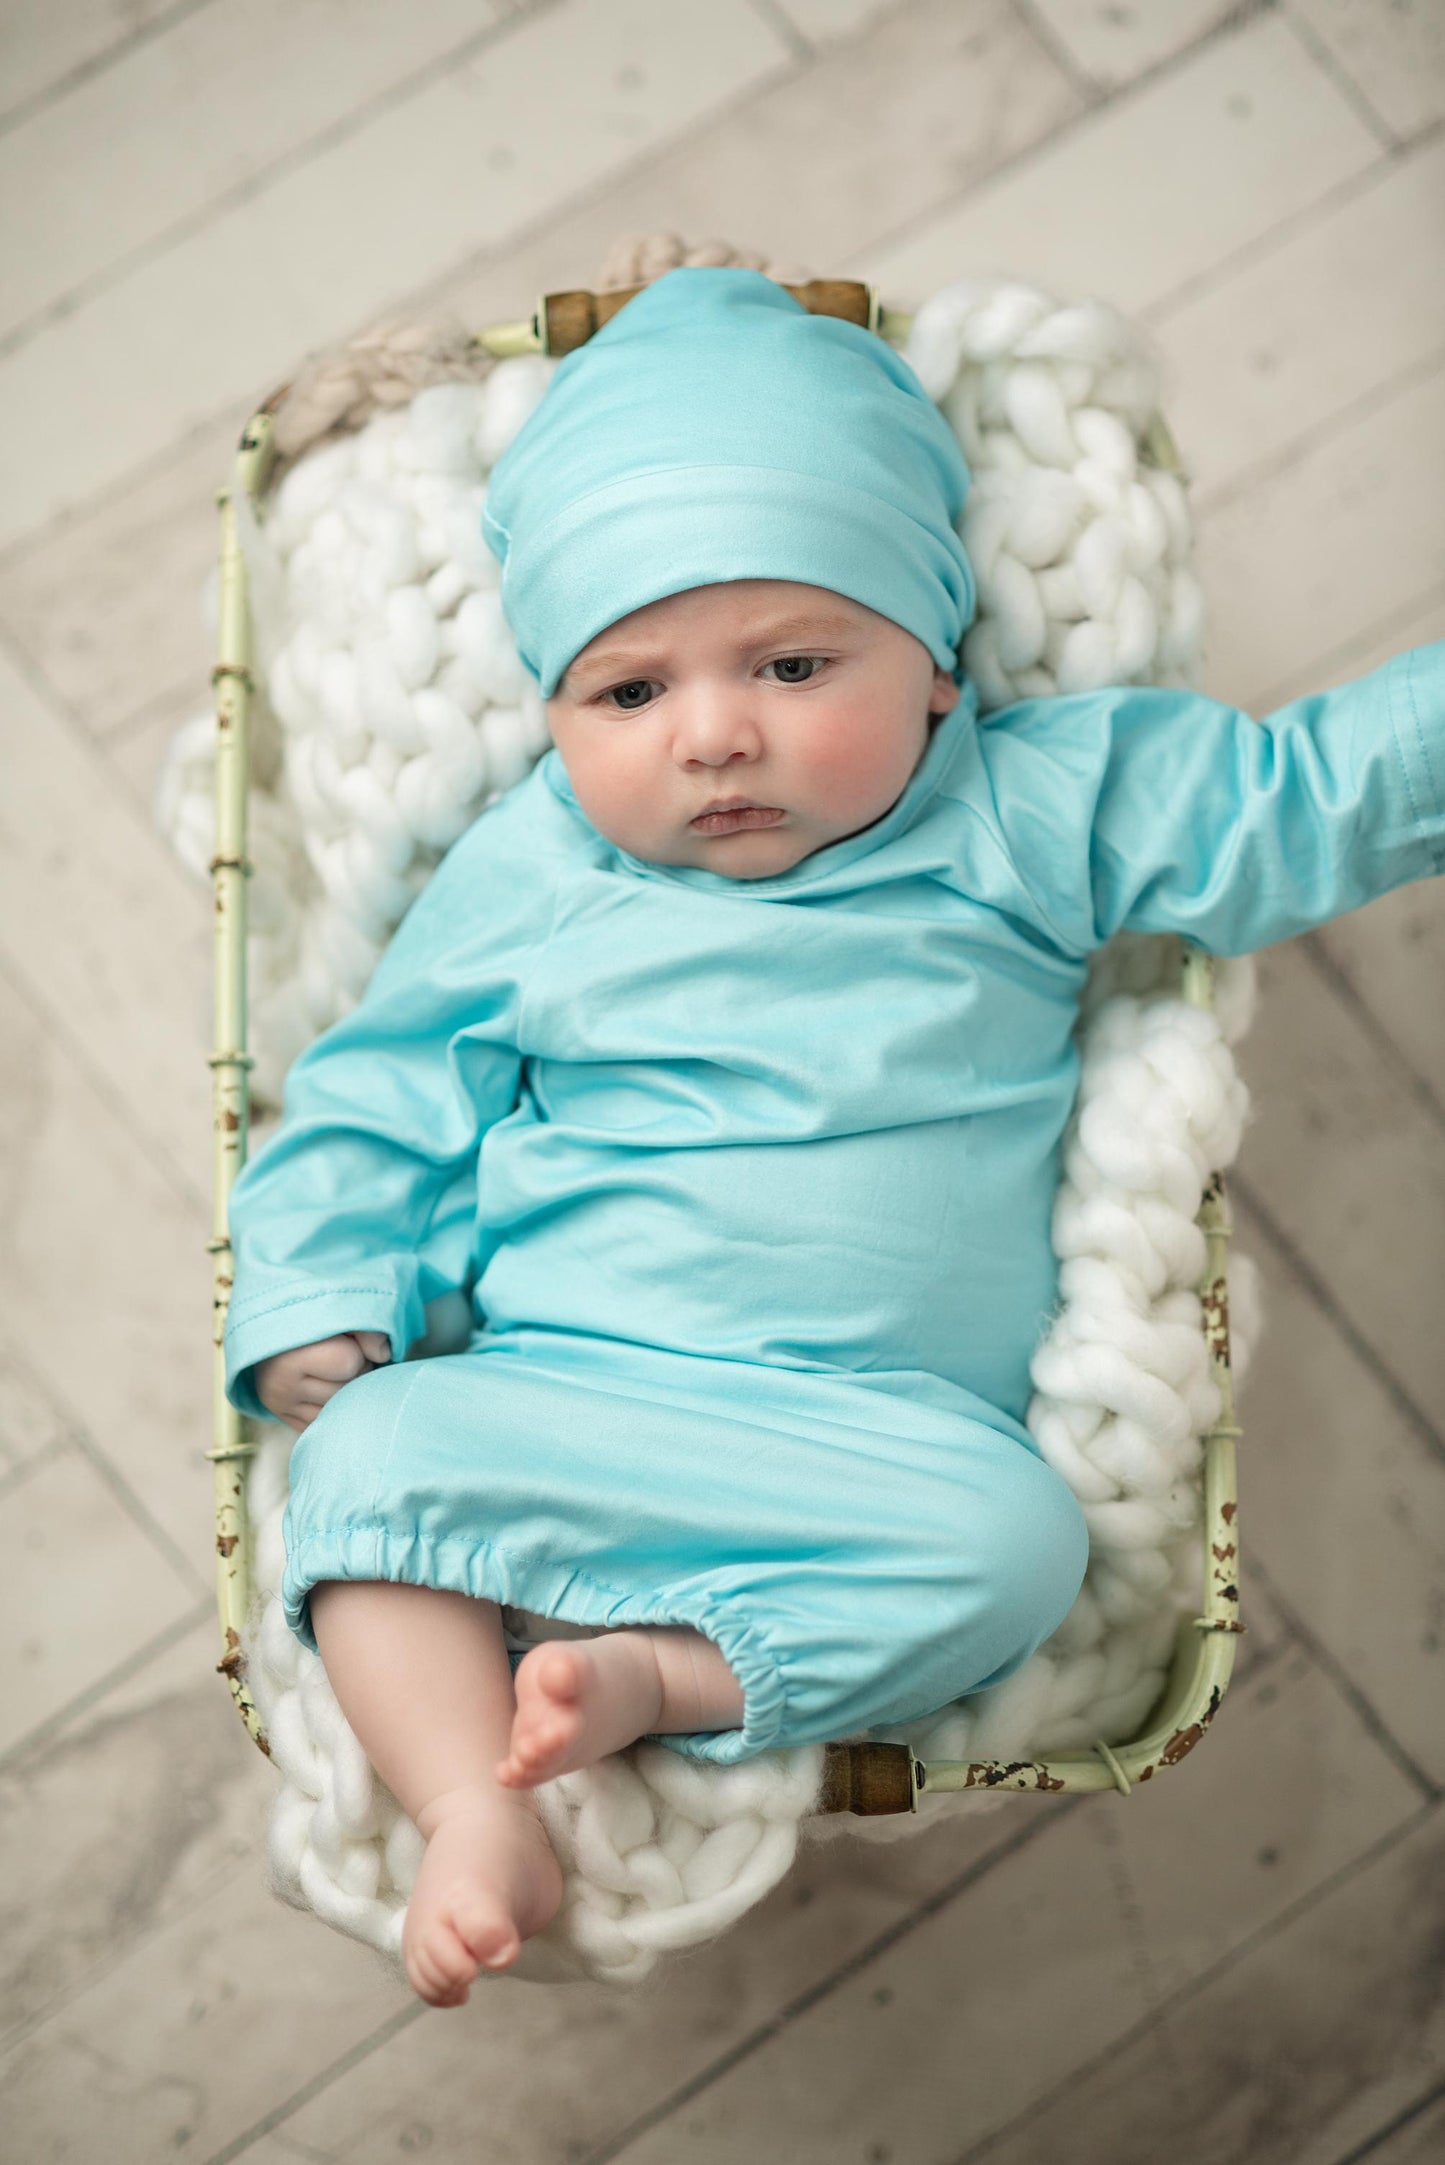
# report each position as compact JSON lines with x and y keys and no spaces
{"x":295,"y":1385}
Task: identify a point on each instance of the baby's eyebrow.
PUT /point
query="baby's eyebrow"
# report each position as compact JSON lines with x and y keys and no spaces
{"x":815,"y":624}
{"x":603,"y":665}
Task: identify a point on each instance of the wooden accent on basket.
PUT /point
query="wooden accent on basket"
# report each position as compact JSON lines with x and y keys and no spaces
{"x":867,"y":1779}
{"x":567,"y":320}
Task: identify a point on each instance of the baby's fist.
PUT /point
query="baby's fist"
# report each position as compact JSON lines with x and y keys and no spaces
{"x":295,"y":1385}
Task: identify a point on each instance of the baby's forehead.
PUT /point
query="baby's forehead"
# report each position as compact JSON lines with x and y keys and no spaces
{"x":743,"y":601}
{"x":746,"y":610}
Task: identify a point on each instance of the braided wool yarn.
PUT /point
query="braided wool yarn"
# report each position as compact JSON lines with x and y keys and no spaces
{"x":392,"y":708}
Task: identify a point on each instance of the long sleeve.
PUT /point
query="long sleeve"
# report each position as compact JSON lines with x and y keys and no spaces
{"x":1146,"y":810}
{"x":360,"y":1207}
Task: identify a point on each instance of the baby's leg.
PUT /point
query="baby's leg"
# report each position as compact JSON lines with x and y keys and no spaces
{"x":423,"y":1678}
{"x":579,"y":1700}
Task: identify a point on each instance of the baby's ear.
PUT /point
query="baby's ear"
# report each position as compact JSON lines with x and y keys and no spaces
{"x":944,"y":696}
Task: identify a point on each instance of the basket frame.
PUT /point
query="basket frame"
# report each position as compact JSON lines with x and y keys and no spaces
{"x":859,"y":1777}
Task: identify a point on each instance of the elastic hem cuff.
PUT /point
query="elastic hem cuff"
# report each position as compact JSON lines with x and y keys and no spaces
{"x":487,"y":1573}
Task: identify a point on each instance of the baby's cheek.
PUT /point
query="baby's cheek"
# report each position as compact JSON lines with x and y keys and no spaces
{"x":858,"y":771}
{"x":616,"y":792}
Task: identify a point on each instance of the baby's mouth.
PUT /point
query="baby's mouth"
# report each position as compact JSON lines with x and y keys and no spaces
{"x":734,"y":816}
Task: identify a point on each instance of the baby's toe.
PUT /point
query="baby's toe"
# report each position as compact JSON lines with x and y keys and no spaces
{"x":487,"y":1935}
{"x":547,"y":1737}
{"x":452,"y":1950}
{"x":437,"y":1993}
{"x":439,"y":1983}
{"x":559,"y":1673}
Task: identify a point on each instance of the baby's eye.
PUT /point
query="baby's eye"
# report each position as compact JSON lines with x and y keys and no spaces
{"x":621,"y":691}
{"x":811,"y":662}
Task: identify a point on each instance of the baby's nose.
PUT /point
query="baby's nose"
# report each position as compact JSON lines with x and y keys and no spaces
{"x":715,"y":730}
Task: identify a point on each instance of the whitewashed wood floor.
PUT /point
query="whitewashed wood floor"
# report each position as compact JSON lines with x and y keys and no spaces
{"x":1244,"y":1962}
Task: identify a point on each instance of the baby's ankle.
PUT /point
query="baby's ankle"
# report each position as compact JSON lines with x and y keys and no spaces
{"x":484,"y":1800}
{"x":698,"y":1689}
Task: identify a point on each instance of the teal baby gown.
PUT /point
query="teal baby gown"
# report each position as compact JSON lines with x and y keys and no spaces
{"x":752,"y":1181}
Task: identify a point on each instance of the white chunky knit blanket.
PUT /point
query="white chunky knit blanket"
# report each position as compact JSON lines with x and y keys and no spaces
{"x":393,"y":708}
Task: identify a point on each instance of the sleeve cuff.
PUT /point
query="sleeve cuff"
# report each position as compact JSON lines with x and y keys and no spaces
{"x":306,"y":1317}
{"x":1416,"y":684}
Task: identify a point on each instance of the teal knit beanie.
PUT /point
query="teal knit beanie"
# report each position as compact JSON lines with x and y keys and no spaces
{"x":712,"y":430}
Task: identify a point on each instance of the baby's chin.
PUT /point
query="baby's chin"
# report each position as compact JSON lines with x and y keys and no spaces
{"x":748,"y":853}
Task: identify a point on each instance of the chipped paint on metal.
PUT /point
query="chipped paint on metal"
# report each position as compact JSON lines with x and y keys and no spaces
{"x":1183,"y":1741}
{"x":1017,"y":1773}
{"x":235,"y":687}
{"x":1215,"y":1304}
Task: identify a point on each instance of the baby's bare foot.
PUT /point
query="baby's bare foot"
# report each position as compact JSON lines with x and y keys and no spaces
{"x":489,"y":1879}
{"x":576,"y":1703}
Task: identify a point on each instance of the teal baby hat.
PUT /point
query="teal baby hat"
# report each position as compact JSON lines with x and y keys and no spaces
{"x":712,"y":430}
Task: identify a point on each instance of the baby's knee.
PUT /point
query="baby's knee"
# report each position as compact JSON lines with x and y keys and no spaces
{"x":1039,"y":1550}
{"x":350,"y":1435}
{"x":1007,"y":1561}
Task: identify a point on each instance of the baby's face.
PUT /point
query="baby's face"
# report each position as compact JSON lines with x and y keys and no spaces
{"x":794,"y":701}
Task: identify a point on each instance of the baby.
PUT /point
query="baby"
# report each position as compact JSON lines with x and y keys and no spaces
{"x":727,"y":1060}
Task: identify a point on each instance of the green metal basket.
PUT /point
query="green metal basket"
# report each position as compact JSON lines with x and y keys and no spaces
{"x":858,"y":1777}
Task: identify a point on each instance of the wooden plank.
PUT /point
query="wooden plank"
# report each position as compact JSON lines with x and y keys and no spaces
{"x":1346,"y":533}
{"x":941,"y":93}
{"x":1293,"y":2054}
{"x":824,"y":22}
{"x":1419,"y":621}
{"x":108,"y":930}
{"x":1343,"y":1500}
{"x":134,"y":1810}
{"x":31,"y":1424}
{"x":110,"y":609}
{"x":231,"y":2004}
{"x":173,"y":155}
{"x":137,"y":754}
{"x":1113,"y":45}
{"x":1114,"y":205}
{"x":82,"y":1586}
{"x":104,"y":1276}
{"x":41,"y":44}
{"x":211,"y":2021}
{"x":278,"y":2150}
{"x":1394,"y":56}
{"x":450,"y":169}
{"x":947,"y":2029}
{"x":1417,"y":2138}
{"x":1391,"y":956}
{"x":1350,"y":1166}
{"x":1264,"y":355}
